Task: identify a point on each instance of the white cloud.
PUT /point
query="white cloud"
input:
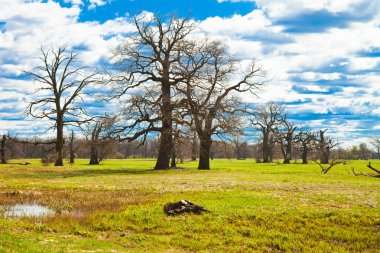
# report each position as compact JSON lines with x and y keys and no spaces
{"x":281,"y":8}
{"x":74,"y":2}
{"x":95,"y":3}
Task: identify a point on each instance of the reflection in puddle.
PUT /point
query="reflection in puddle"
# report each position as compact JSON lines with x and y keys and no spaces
{"x":27,"y":210}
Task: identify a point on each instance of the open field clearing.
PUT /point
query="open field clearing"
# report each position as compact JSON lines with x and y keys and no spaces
{"x":117,"y":207}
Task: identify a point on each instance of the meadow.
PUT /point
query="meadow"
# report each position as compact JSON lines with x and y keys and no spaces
{"x":117,"y":207}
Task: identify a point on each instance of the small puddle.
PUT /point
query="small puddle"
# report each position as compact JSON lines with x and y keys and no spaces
{"x":27,"y":210}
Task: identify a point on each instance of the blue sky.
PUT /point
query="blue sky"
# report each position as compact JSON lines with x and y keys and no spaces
{"x":198,"y":9}
{"x":321,"y":57}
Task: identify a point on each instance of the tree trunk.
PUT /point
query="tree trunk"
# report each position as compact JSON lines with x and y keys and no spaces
{"x":323,"y":149}
{"x":126,"y":155}
{"x":173,"y":164}
{"x":204,"y":153}
{"x":288,"y":152}
{"x":266,"y":148}
{"x":72,"y":153}
{"x":194,"y":147}
{"x":304,"y":153}
{"x":2,"y":150}
{"x":287,"y":159}
{"x":326,"y":155}
{"x":166,"y":138}
{"x":59,"y":143}
{"x":94,"y":156}
{"x":72,"y":156}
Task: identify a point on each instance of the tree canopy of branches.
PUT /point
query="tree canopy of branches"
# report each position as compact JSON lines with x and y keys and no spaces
{"x":376,"y":143}
{"x":101,"y":132}
{"x":150,"y":58}
{"x":8,"y":143}
{"x":61,"y":85}
{"x":284,"y":135}
{"x":265,"y":120}
{"x":211,"y":92}
{"x":304,"y":144}
{"x":323,"y":146}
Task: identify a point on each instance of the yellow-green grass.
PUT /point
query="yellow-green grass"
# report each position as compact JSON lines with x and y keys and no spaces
{"x":117,"y":207}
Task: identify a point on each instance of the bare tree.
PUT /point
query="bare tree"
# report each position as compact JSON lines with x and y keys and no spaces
{"x":241,"y":148}
{"x":376,"y":143}
{"x":102,"y":132}
{"x":323,"y":146}
{"x":265,"y":120}
{"x":150,"y":58}
{"x":62,"y":84}
{"x":305,"y":139}
{"x":284,"y":135}
{"x":36,"y":146}
{"x":211,"y":95}
{"x":364,"y":151}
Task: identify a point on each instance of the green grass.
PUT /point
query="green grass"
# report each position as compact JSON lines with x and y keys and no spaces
{"x":117,"y":207}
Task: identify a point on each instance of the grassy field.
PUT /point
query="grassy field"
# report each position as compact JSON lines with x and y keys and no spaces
{"x":117,"y":207}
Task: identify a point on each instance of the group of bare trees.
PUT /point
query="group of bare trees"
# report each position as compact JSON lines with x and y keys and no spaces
{"x":184,"y":82}
{"x":277,"y":130}
{"x":169,"y":82}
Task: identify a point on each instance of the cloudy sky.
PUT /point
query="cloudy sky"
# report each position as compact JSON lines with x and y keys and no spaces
{"x":321,"y":57}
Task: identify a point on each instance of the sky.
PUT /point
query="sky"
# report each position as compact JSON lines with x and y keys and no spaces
{"x":321,"y":58}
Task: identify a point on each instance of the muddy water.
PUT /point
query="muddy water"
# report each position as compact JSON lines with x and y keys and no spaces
{"x":27,"y":210}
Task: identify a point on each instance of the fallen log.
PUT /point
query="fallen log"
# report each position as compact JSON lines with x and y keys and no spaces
{"x":182,"y":207}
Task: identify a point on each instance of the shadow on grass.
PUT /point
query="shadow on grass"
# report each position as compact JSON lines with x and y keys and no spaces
{"x":57,"y":173}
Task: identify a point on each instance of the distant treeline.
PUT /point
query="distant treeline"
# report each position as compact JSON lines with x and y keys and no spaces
{"x":31,"y":148}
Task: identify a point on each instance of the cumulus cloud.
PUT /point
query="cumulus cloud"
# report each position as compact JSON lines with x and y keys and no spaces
{"x":92,"y":4}
{"x":95,"y":3}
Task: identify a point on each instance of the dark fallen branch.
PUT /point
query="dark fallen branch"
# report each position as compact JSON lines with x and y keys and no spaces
{"x":182,"y":207}
{"x":330,"y":165}
{"x":23,"y":163}
{"x":377,"y":175}
{"x":372,"y":168}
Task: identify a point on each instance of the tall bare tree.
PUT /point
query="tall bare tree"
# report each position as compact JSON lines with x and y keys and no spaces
{"x":323,"y":145}
{"x":265,"y":120}
{"x":241,"y":148}
{"x":211,"y":93}
{"x":284,"y":135}
{"x":101,"y":133}
{"x":376,"y":143}
{"x":150,"y":57}
{"x":61,"y":83}
{"x":304,"y":141}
